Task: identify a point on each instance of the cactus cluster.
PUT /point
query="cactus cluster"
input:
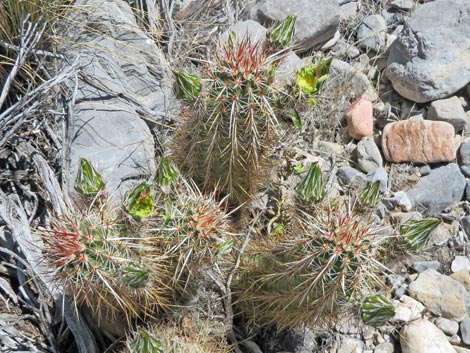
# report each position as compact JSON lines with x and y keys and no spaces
{"x":92,"y":260}
{"x":229,"y":119}
{"x":134,"y":260}
{"x":307,"y":268}
{"x":317,"y":271}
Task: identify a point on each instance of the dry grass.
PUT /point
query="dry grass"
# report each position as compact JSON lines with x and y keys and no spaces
{"x":44,"y":13}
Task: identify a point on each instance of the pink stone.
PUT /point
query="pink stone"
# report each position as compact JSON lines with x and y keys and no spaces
{"x":419,"y":141}
{"x":360,"y":118}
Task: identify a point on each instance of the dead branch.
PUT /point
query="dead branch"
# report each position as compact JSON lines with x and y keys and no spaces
{"x":30,"y":35}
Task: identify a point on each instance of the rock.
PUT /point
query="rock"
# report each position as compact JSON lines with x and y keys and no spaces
{"x":119,"y":59}
{"x":465,"y":330}
{"x":465,"y":169}
{"x":462,"y":277}
{"x":330,"y":148}
{"x":124,"y":76}
{"x":317,"y":21}
{"x":421,"y":266}
{"x":400,"y":199}
{"x":467,"y":189}
{"x":343,"y":49}
{"x":464,"y":152}
{"x":442,"y":295}
{"x":384,"y":347}
{"x":441,"y":234}
{"x":354,"y":82}
{"x":117,"y":142}
{"x":242,"y":29}
{"x":431,"y":57}
{"x":461,"y":349}
{"x":421,"y":336}
{"x":287,"y":70}
{"x":329,"y":44}
{"x":449,"y":110}
{"x":425,"y":170}
{"x":443,"y":187}
{"x":348,"y":11}
{"x":352,"y":177}
{"x":360,"y":119}
{"x":465,"y":221}
{"x":379,"y":174}
{"x":418,"y":142}
{"x":350,"y":345}
{"x":454,"y":339}
{"x":460,"y":263}
{"x":392,"y":16}
{"x":402,"y":217}
{"x":407,"y":309}
{"x":404,"y":5}
{"x":348,"y":325}
{"x":447,"y":326}
{"x":368,"y":155}
{"x":398,"y":285}
{"x":371,"y":33}
{"x":300,"y":340}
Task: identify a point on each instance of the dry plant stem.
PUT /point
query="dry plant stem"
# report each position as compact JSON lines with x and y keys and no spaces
{"x":227,"y":292}
{"x":10,"y":115}
{"x":42,"y":313}
{"x":168,"y":7}
{"x":29,"y":38}
{"x":33,"y":51}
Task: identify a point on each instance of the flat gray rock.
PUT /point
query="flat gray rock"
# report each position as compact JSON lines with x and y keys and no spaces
{"x":443,"y":187}
{"x":317,"y":21}
{"x":116,"y":141}
{"x":124,"y":77}
{"x":431,"y":57}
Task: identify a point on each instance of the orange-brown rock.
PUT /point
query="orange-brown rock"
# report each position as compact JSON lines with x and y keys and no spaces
{"x":360,"y":118}
{"x":419,"y":141}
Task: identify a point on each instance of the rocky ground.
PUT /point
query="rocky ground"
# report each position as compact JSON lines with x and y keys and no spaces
{"x":395,"y":108}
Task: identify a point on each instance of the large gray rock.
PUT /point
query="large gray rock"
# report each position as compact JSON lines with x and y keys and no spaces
{"x":116,"y":141}
{"x":431,"y":57}
{"x":124,"y":78}
{"x":421,"y":336}
{"x":317,"y":21}
{"x":438,"y":190}
{"x":442,"y":295}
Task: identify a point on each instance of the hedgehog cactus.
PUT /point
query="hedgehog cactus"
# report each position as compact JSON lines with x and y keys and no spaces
{"x":231,"y":122}
{"x":194,"y":228}
{"x":102,"y":269}
{"x":315,"y":273}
